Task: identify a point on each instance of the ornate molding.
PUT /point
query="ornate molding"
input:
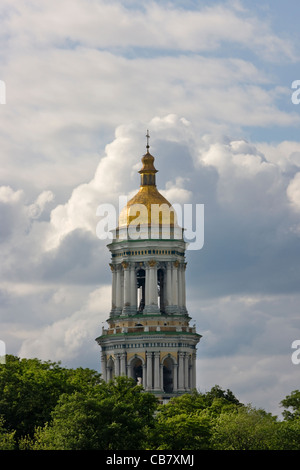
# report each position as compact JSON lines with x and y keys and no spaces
{"x":152,"y":263}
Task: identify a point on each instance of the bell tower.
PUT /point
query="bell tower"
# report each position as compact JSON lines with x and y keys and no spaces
{"x":148,"y":336}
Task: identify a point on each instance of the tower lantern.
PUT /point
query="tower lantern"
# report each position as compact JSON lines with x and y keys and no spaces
{"x":148,"y":336}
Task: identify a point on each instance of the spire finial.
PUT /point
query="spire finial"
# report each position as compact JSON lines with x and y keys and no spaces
{"x":148,"y":137}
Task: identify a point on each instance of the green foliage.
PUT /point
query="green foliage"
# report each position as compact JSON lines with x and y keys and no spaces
{"x":185,"y":423}
{"x":181,"y":432}
{"x":7,"y":439}
{"x":287,"y":435}
{"x":110,"y":416}
{"x":46,"y":407}
{"x":291,"y":401}
{"x":30,"y":388}
{"x":244,"y":428}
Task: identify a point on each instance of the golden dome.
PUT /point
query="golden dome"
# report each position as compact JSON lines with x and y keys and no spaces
{"x":148,"y":206}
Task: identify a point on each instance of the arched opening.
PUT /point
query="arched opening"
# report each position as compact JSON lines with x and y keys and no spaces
{"x":168,"y":376}
{"x":161,"y":289}
{"x":141,"y":283}
{"x":137,"y":370}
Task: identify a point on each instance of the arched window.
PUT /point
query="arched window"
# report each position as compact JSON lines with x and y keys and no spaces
{"x":136,"y":367}
{"x":161,"y":290}
{"x":168,"y":375}
{"x":141,"y":283}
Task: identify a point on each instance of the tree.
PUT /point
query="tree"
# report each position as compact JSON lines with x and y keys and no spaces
{"x":214,"y":402}
{"x":7,"y":439}
{"x":181,"y":432}
{"x":185,"y":422}
{"x":112,"y":416}
{"x":291,"y":401}
{"x":245,"y":428}
{"x":30,"y":389}
{"x":287,"y":436}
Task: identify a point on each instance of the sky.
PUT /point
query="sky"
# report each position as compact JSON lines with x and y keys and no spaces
{"x":212,"y":81}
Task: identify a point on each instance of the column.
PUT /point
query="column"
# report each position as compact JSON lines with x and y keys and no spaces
{"x":128,"y":368}
{"x":175,"y":378}
{"x":103,"y":367}
{"x":151,"y":288}
{"x":175,"y":285}
{"x":147,"y":285}
{"x":183,"y":288}
{"x":133,"y":288}
{"x":193,"y":371}
{"x":123,"y":364}
{"x":180,"y":300}
{"x":186,"y":371}
{"x":127,"y":291}
{"x":145,"y":376}
{"x":122,"y":286}
{"x":149,"y":370}
{"x":117,"y":365}
{"x":168,"y":288}
{"x":118,"y":289}
{"x":181,"y":371}
{"x":157,"y":370}
{"x":113,"y":289}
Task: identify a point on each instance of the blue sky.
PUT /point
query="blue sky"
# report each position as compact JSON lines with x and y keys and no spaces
{"x":212,"y":82}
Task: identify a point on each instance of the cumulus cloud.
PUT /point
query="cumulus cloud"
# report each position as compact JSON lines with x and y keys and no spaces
{"x":84,"y":81}
{"x":293,"y":191}
{"x":69,"y":337}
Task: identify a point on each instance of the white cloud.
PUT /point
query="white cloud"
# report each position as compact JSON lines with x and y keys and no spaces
{"x":67,"y":338}
{"x":293,"y":191}
{"x":83,"y":73}
{"x":8,"y":195}
{"x":105,"y":25}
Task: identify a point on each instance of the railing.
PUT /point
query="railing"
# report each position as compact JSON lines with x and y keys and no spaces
{"x":147,"y":329}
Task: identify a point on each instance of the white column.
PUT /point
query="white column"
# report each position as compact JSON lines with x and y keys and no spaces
{"x":149,"y":370}
{"x":168,"y":287}
{"x":151,"y":288}
{"x":127,"y":290}
{"x":122,"y":285}
{"x":113,"y":288}
{"x":175,"y":284}
{"x":117,"y":365}
{"x":193,"y":371}
{"x":186,"y":371}
{"x":183,"y":287}
{"x":153,"y":283}
{"x":147,"y":285}
{"x":133,"y":287}
{"x":123,"y":364}
{"x":118,"y":288}
{"x":156,"y":370}
{"x":181,"y":371}
{"x":175,"y":378}
{"x":103,"y":367}
{"x":180,"y":300}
